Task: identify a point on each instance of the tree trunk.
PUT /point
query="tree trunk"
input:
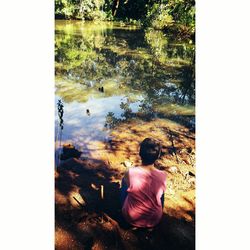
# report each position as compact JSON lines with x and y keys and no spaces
{"x":115,"y":7}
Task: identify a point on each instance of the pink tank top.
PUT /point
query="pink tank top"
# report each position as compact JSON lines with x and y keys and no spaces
{"x":142,"y":206}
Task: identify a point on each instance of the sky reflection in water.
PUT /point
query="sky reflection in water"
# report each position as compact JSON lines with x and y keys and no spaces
{"x":80,"y":128}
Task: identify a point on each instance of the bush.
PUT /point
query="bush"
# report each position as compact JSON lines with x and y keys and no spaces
{"x":64,"y":9}
{"x":158,"y":17}
{"x":90,"y":10}
{"x":80,"y":9}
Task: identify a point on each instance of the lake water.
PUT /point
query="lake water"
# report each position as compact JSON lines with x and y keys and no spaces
{"x":109,"y":73}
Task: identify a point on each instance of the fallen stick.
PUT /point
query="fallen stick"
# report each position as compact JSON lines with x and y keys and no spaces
{"x":102,"y":197}
{"x":78,"y":202}
{"x":102,"y":192}
{"x":172,"y":141}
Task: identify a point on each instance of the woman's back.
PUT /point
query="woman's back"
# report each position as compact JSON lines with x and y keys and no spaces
{"x":142,"y":207}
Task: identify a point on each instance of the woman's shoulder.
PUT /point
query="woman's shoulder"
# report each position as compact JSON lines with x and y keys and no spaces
{"x":134,"y":169}
{"x":131,"y":170}
{"x":137,"y":170}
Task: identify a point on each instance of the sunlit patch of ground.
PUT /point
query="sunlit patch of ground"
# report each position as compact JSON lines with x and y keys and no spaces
{"x":126,"y":138}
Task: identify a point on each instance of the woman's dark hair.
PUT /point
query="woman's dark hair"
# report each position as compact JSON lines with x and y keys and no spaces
{"x":150,"y":151}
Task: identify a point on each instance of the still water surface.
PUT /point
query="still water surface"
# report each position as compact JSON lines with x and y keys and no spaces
{"x":144,"y":75}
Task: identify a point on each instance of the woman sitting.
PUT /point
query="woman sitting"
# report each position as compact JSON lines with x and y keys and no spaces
{"x":143,"y":188}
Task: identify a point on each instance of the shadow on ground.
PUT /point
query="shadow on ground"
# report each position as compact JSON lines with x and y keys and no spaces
{"x":86,"y":219}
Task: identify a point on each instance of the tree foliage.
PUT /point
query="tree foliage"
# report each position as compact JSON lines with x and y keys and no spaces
{"x":160,"y":14}
{"x":79,"y":9}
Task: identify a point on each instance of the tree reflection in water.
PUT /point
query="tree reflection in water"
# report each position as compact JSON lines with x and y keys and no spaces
{"x":144,"y":66}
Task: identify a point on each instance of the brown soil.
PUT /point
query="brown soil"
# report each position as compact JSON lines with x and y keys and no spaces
{"x":83,"y":220}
